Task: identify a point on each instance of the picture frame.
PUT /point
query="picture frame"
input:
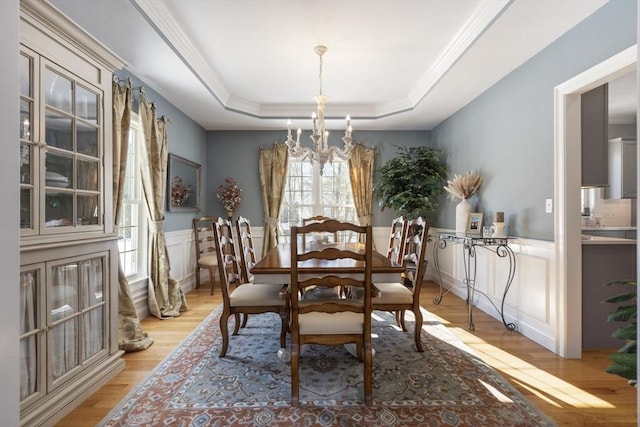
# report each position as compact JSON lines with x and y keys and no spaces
{"x":183,"y":185}
{"x":474,"y":223}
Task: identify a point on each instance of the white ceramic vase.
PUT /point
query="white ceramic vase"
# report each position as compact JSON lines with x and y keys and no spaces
{"x":463,"y":209}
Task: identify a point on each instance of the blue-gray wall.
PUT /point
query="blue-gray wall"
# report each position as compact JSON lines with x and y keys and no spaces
{"x":186,"y":139}
{"x":507,"y":132}
{"x":235,"y":154}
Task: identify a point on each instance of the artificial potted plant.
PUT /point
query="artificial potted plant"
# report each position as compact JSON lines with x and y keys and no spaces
{"x":410,"y":182}
{"x":625,"y":360}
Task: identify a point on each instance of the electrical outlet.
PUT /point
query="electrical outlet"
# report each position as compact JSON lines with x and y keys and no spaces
{"x":548,"y":207}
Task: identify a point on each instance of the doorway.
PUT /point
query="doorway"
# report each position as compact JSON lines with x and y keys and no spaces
{"x":567,"y":218}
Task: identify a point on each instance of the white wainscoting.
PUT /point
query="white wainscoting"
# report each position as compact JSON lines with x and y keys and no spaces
{"x":532,"y":298}
{"x":182,"y":256}
{"x":531,"y":301}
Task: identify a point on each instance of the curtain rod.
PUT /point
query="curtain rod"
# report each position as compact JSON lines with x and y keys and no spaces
{"x":129,"y":82}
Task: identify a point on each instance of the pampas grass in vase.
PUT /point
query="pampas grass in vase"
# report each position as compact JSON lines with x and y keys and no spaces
{"x":463,"y":187}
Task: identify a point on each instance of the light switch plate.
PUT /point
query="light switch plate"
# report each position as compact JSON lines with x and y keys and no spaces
{"x":548,"y":207}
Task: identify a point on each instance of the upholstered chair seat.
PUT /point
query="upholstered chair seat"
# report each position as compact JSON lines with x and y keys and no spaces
{"x":316,"y":323}
{"x":392,"y":293}
{"x":250,"y":295}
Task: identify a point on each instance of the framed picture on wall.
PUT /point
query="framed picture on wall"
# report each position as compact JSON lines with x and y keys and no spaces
{"x":183,"y":185}
{"x":474,"y":223}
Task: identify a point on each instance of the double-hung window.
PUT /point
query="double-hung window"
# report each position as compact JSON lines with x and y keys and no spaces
{"x":308,"y":193}
{"x":133,"y":219}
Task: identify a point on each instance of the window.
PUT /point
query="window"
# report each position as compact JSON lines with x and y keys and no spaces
{"x":307,"y":193}
{"x":133,"y":219}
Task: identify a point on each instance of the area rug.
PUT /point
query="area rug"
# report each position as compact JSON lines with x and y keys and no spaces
{"x":447,"y":385}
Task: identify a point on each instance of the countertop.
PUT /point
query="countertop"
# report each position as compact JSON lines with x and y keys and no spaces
{"x":598,"y":240}
{"x":606,"y":228}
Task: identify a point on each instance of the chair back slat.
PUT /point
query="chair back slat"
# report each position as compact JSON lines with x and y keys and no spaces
{"x":415,"y":250}
{"x":247,"y":252}
{"x":227,"y":260}
{"x":397,"y":238}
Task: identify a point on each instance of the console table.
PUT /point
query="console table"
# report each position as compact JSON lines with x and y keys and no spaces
{"x":469,"y":243}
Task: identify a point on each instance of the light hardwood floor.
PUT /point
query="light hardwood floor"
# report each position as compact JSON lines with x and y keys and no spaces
{"x":573,"y":392}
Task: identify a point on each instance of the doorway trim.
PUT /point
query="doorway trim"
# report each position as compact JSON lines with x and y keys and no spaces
{"x":567,"y":171}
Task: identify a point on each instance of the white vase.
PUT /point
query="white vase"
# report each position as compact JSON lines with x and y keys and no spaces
{"x":463,"y":209}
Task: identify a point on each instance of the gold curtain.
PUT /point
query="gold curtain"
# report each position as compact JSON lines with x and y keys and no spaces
{"x":166,"y":299}
{"x":131,"y":337}
{"x":273,"y":174}
{"x":361,"y":164}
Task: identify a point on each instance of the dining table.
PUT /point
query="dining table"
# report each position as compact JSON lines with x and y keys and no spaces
{"x":275,"y":266}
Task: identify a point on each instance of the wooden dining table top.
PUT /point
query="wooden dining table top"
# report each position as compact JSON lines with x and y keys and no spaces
{"x":278,"y":261}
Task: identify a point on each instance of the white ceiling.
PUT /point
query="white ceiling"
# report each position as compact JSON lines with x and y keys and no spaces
{"x":390,"y":64}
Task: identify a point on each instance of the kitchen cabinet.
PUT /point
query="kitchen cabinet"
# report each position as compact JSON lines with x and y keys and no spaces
{"x":623,"y":168}
{"x":68,"y":249}
{"x":603,"y":263}
{"x":594,"y":130}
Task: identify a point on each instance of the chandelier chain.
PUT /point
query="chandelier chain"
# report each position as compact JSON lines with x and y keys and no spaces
{"x":320,"y":74}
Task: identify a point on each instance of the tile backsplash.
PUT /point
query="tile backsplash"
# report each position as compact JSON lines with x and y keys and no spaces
{"x":609,"y":212}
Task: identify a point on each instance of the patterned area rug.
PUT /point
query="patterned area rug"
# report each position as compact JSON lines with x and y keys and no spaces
{"x":447,"y":385}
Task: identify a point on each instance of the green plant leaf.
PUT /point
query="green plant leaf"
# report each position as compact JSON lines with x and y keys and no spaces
{"x":630,"y":347}
{"x":623,"y":314}
{"x":625,"y":359}
{"x":628,"y":332}
{"x":622,"y":371}
{"x":621,"y":298}
{"x":621,"y":282}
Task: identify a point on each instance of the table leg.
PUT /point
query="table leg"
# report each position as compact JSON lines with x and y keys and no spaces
{"x":440,"y":244}
{"x":469,"y":254}
{"x":505,"y":251}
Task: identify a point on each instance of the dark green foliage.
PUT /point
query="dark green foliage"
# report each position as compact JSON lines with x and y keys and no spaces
{"x":410,"y":182}
{"x":625,"y":360}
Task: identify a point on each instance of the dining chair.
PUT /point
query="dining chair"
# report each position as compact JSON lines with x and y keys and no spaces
{"x":243,"y":298}
{"x":336,"y":319}
{"x":247,"y":255}
{"x":319,"y":218}
{"x":397,"y":297}
{"x":205,"y":248}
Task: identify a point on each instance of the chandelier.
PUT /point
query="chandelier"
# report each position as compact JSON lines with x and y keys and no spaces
{"x":321,"y":151}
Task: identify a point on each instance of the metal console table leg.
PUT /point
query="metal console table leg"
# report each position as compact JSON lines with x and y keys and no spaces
{"x":497,"y":245}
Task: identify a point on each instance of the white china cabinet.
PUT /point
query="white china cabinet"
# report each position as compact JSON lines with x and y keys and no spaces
{"x":68,"y":251}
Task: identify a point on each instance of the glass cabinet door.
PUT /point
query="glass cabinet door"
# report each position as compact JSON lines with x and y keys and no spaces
{"x":73,"y":157}
{"x":61,"y":150}
{"x":93,"y":302}
{"x":28,"y":160}
{"x":76,"y":310}
{"x":31,"y":332}
{"x":63,"y":333}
